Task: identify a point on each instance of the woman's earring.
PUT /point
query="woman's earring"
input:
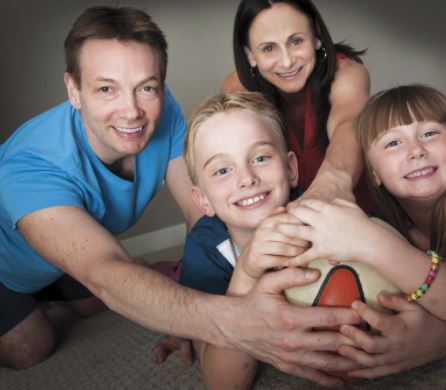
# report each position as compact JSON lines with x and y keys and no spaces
{"x":252,"y":71}
{"x":323,"y":52}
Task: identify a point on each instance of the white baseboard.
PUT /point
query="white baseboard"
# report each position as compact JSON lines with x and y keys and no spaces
{"x":155,"y":241}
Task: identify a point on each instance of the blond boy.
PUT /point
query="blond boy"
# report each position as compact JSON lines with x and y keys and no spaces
{"x":242,"y":174}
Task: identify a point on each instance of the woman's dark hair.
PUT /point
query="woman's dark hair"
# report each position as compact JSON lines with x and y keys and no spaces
{"x":321,"y":77}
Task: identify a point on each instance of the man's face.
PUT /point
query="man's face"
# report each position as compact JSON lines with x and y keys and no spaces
{"x":120,"y":97}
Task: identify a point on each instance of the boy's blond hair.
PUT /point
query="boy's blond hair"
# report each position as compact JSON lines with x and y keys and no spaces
{"x":254,"y":102}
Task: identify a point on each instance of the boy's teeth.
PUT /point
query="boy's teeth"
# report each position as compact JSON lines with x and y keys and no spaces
{"x":128,"y":129}
{"x":250,"y":201}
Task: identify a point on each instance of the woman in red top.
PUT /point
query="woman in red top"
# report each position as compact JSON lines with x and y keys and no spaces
{"x":283,"y":49}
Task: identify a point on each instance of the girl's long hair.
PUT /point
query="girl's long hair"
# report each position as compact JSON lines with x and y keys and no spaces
{"x":391,"y":108}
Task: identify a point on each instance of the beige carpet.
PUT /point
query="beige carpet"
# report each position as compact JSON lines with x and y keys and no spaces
{"x":109,"y":352}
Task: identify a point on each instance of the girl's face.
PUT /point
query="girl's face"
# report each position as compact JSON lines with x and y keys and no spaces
{"x":283,"y":47}
{"x":410,"y":161}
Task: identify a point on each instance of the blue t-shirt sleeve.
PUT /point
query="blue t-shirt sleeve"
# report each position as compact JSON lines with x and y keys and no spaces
{"x":30,"y":185}
{"x":178,"y":124}
{"x":204,"y":268}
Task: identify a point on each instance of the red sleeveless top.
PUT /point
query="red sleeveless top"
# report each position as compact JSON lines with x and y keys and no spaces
{"x":310,"y":157}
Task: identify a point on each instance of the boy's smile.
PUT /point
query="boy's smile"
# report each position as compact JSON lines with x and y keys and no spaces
{"x":243,"y":175}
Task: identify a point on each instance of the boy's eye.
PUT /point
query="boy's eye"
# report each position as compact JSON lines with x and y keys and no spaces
{"x":221,"y":172}
{"x":261,"y":159}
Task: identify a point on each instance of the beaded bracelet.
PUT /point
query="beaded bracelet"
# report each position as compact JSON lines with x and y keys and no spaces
{"x":435,"y":265}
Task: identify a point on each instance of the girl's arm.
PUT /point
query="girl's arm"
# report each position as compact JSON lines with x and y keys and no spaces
{"x":341,"y":231}
{"x":342,"y":165}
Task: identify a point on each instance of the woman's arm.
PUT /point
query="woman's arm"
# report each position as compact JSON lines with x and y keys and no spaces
{"x":342,"y":164}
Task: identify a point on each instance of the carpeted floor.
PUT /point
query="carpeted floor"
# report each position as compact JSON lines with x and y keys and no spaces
{"x":109,"y":352}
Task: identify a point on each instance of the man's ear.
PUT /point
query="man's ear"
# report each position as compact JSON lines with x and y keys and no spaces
{"x":250,"y":57}
{"x":72,"y":90}
{"x":293,"y":171}
{"x":202,"y":202}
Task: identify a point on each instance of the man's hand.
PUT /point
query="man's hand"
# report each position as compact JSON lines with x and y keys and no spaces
{"x":263,"y":324}
{"x":169,"y":344}
{"x":408,"y":339}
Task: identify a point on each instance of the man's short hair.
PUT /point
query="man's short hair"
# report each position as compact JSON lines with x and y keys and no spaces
{"x":122,"y":23}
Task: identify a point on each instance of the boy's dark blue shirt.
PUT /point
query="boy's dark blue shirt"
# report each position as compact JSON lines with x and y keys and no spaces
{"x":209,"y":258}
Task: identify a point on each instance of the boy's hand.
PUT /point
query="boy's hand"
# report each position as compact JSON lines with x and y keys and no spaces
{"x":169,"y":344}
{"x":274,"y":241}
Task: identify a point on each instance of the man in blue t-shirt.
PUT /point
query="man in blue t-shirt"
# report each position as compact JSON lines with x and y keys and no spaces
{"x":76,"y":175}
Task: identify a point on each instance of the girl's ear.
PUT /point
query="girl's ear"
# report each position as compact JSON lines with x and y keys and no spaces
{"x":202,"y":202}
{"x":293,"y":171}
{"x":376,"y":179}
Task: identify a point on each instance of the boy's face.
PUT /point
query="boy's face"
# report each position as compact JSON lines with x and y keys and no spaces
{"x":241,"y":171}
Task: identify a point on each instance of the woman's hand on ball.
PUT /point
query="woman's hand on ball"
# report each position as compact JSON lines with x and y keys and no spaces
{"x":408,"y":339}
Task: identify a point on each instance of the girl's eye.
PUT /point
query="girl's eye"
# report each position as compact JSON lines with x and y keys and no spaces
{"x":391,"y":144}
{"x":430,"y":133}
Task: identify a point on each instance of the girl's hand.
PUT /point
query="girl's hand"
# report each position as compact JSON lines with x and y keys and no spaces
{"x":274,"y":241}
{"x":338,"y":230}
{"x":408,"y":339}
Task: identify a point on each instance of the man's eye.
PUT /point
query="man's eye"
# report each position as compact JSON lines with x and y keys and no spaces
{"x":267,"y":49}
{"x":105,"y":89}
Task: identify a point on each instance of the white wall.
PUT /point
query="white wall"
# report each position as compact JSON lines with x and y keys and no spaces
{"x":405,"y":41}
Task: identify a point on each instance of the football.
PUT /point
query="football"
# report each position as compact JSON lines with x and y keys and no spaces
{"x":340,"y":285}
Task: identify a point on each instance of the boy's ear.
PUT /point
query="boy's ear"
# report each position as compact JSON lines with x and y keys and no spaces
{"x":72,"y":90}
{"x":202,"y":202}
{"x":293,"y":171}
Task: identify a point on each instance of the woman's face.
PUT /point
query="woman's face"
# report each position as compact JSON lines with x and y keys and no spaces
{"x":283,"y":47}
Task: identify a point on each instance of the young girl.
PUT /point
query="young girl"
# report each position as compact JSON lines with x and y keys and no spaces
{"x":402,"y":132}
